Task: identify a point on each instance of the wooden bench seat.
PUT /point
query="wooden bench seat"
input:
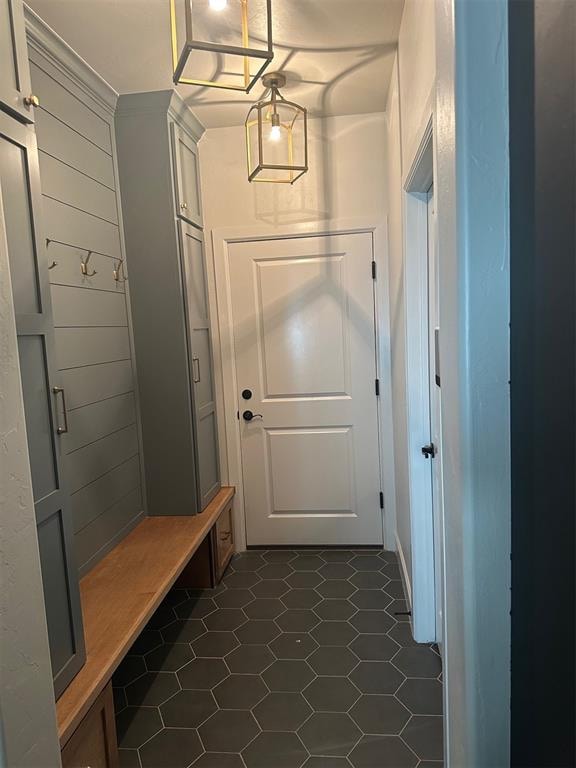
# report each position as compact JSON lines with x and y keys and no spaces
{"x":122,"y":592}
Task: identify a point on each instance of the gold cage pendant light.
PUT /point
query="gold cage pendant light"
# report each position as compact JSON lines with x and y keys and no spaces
{"x":228,"y":43}
{"x":276,"y":136}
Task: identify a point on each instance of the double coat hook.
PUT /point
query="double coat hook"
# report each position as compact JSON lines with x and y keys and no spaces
{"x":84,"y":266}
{"x":118,"y":272}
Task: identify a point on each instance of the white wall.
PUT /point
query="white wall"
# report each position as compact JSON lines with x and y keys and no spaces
{"x":417,"y":72}
{"x":346,"y":177}
{"x":472,"y":203}
{"x":346,"y":180}
{"x":438,"y":38}
{"x":398,"y":325}
{"x":410,"y":102}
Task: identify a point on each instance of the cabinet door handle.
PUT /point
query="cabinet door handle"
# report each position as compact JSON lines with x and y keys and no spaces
{"x":32,"y":101}
{"x":60,"y":391}
{"x":183,"y":206}
{"x":196,"y":370}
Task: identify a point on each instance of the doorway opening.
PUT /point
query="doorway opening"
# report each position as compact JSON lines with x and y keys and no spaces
{"x":338,"y":394}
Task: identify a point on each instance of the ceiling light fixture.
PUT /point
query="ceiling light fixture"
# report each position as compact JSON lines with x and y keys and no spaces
{"x":227,"y":43}
{"x":276,"y":136}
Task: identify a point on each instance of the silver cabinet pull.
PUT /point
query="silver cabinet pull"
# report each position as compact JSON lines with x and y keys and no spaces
{"x":196,"y":370}
{"x":60,"y":391}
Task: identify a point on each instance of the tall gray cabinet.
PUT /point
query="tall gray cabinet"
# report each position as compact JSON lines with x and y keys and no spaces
{"x":15,"y":94}
{"x":156,"y":136}
{"x":43,"y":394}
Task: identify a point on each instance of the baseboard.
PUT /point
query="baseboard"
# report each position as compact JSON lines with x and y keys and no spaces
{"x":405,"y":576}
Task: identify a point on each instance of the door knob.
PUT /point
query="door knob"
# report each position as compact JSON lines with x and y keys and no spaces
{"x":248,"y":416}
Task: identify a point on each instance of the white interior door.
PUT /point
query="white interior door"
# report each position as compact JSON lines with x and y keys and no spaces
{"x":303,"y":315}
{"x":435,"y":413}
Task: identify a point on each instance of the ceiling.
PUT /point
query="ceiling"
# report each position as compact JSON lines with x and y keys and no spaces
{"x":337,"y":54}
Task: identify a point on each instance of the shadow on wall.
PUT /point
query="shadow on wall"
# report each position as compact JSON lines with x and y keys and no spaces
{"x":311,"y":198}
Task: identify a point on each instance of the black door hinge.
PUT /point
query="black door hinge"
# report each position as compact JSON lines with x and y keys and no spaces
{"x":373,"y":270}
{"x":381,"y":500}
{"x":377,"y":387}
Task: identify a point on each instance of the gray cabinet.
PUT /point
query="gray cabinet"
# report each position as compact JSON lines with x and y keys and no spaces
{"x":44,"y":398}
{"x":200,"y":345}
{"x":186,"y":176}
{"x":156,"y":137}
{"x":14,"y":72}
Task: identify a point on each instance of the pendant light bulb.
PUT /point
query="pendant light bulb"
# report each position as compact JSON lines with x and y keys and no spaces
{"x":218,"y":5}
{"x":275,"y":131}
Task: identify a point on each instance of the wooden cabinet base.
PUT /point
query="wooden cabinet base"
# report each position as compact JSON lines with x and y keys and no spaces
{"x":222,"y":536}
{"x":199,"y":573}
{"x":207,"y":566}
{"x":93,"y":744}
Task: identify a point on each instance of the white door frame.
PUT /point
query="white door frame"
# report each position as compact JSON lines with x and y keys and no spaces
{"x":225,"y":369}
{"x":416,"y":184}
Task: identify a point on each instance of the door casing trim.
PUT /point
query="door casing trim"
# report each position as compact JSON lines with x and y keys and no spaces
{"x":415,"y":225}
{"x":225,"y":369}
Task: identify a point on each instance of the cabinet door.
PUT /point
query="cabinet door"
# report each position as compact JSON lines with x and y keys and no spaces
{"x":94,"y":742}
{"x":44,"y":403}
{"x":14,"y":68}
{"x":202,"y":375}
{"x":187,"y":177}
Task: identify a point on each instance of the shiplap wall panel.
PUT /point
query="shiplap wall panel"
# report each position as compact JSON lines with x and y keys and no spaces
{"x":72,"y":148}
{"x":78,"y":228}
{"x":103,"y":493}
{"x":84,"y":307}
{"x":70,"y":186}
{"x":85,"y":386}
{"x":60,"y":102}
{"x":97,"y":459}
{"x":91,"y":542}
{"x":91,"y":315}
{"x":93,"y":422}
{"x":77,"y":347}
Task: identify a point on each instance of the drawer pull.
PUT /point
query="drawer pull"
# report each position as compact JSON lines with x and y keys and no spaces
{"x":32,"y":101}
{"x":183,"y":206}
{"x":225,"y":536}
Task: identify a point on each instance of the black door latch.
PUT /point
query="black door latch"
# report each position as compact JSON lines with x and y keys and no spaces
{"x":248,"y":415}
{"x":429,"y":451}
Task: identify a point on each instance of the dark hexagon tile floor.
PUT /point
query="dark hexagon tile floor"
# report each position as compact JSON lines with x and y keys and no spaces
{"x":297,"y":659}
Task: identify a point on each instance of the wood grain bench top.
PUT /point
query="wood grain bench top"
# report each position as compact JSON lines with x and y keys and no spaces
{"x":122,"y":592}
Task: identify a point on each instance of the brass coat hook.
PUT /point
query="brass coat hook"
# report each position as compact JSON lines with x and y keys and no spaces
{"x":118,"y":272}
{"x":84,"y":266}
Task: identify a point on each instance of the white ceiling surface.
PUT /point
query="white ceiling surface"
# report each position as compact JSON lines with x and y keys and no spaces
{"x":337,"y":54}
